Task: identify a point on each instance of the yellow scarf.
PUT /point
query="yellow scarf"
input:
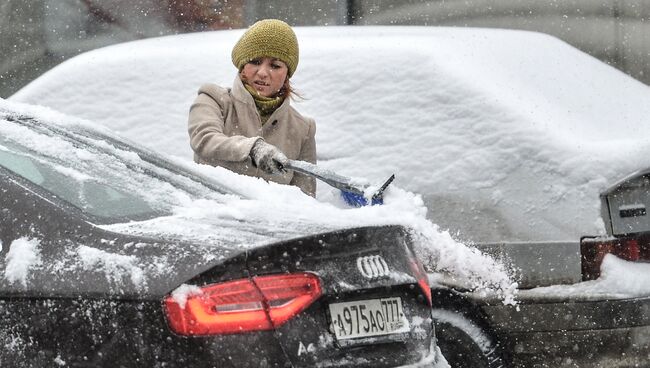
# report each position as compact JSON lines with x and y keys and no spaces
{"x":265,"y":105}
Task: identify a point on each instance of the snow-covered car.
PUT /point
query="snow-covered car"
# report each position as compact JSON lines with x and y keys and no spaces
{"x":108,"y":259}
{"x":509,"y":137}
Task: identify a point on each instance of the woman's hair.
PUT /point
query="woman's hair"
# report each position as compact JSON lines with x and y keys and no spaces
{"x":287,"y":90}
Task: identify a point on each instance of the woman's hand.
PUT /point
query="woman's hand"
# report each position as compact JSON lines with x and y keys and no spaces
{"x":268,"y":158}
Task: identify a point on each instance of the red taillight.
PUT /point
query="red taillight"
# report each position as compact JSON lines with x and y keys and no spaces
{"x":593,"y":250}
{"x":260,"y":303}
{"x":422,"y":277}
{"x":426,"y":288}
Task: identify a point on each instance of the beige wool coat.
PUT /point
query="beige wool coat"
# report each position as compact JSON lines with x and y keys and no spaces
{"x":224,"y":124}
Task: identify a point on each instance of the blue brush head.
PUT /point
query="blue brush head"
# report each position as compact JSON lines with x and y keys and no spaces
{"x":358,"y":200}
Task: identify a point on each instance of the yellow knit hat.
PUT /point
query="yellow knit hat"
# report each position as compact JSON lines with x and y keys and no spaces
{"x":267,"y":38}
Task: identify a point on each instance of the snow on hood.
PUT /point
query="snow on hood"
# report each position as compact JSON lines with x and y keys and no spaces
{"x":265,"y":213}
{"x":503,"y":145}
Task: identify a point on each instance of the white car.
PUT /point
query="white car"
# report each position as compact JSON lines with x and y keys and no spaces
{"x":509,"y":137}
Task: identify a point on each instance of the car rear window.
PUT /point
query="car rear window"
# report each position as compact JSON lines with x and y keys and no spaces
{"x":107,"y":180}
{"x":95,"y":197}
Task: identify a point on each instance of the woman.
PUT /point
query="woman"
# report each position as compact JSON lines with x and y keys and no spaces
{"x":251,"y":129}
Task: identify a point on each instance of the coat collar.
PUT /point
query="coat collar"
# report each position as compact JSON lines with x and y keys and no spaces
{"x":240,"y":93}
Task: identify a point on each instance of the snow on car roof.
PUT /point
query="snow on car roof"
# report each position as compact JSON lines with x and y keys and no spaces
{"x":507,"y":135}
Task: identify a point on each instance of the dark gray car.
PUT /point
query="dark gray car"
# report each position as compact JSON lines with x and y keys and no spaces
{"x":79,"y":289}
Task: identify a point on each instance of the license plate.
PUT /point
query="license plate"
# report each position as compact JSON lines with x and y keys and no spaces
{"x":365,"y":318}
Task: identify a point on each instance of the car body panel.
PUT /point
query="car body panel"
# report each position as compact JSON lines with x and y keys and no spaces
{"x":589,"y":333}
{"x":83,"y":329}
{"x":72,"y":252}
{"x":107,"y":332}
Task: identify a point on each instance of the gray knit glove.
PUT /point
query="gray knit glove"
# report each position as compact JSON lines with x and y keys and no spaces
{"x":268,"y":157}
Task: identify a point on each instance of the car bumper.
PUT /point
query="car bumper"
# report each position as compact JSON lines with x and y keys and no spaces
{"x":589,"y":333}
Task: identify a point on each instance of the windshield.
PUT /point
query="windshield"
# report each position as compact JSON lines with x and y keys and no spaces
{"x":108,"y":183}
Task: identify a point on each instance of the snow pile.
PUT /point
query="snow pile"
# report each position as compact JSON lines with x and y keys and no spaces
{"x":497,"y":141}
{"x":23,"y":255}
{"x":183,"y":292}
{"x":114,"y":266}
{"x":216,"y":222}
{"x":618,"y":279}
{"x":287,"y":213}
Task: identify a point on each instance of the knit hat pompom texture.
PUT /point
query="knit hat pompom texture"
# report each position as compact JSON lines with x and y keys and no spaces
{"x":267,"y":38}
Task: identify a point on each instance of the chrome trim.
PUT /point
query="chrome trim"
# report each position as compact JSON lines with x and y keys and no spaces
{"x":372,"y":267}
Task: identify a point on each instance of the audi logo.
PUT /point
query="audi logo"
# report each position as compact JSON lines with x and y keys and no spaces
{"x":372,"y":267}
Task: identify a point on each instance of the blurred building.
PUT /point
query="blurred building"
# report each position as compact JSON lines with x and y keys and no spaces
{"x":35,"y":35}
{"x":615,"y":31}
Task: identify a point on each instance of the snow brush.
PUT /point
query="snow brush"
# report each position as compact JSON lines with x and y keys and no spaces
{"x":352,"y":193}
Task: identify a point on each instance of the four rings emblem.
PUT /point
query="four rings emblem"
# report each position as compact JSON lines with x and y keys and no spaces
{"x":372,"y":267}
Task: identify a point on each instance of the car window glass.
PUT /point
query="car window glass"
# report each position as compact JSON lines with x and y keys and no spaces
{"x":21,"y":166}
{"x":96,"y":198}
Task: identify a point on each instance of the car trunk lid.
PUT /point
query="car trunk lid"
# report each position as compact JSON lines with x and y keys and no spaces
{"x":373,"y":309}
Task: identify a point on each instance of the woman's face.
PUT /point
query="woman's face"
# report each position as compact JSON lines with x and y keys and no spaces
{"x":266,"y":75}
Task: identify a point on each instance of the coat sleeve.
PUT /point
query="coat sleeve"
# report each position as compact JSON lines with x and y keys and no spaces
{"x":307,"y":153}
{"x":206,"y":128}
